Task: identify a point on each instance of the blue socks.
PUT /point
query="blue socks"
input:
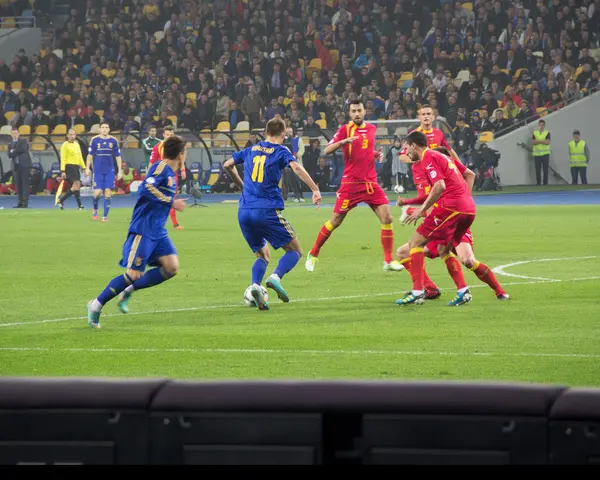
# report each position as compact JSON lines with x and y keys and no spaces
{"x":286,"y":263}
{"x":96,"y":203}
{"x":116,"y":286}
{"x":151,"y":278}
{"x":258,"y":270}
{"x":106,"y":206}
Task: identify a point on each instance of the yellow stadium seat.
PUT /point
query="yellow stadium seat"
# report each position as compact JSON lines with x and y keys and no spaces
{"x":16,"y":85}
{"x":25,"y":129}
{"x":79,"y":129}
{"x":322,"y":123}
{"x":9,"y":115}
{"x":60,"y":130}
{"x":223,"y":127}
{"x":41,"y":130}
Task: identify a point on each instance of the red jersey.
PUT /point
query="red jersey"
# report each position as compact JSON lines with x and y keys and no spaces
{"x":435,"y":138}
{"x":157,"y":152}
{"x":456,"y":196}
{"x":359,"y":156}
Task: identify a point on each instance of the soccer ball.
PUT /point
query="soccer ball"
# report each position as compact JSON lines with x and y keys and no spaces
{"x":398,"y":189}
{"x":249,"y":299}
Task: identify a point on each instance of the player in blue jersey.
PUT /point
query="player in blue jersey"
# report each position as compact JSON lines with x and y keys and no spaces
{"x":103,"y":151}
{"x":147,"y":243}
{"x":261,"y":203}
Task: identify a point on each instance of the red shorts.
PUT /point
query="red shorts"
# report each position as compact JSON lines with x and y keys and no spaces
{"x":445,"y":226}
{"x":351,"y":194}
{"x":432,"y":247}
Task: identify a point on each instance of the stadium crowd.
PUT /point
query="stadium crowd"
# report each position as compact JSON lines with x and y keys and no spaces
{"x":485,"y":66}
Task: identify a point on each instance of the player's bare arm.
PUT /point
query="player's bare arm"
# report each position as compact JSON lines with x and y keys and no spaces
{"x":434,"y":196}
{"x":305,"y":177}
{"x":88,"y":164}
{"x":334,"y":146}
{"x":469,"y":177}
{"x":229,"y":165}
{"x":119,"y":168}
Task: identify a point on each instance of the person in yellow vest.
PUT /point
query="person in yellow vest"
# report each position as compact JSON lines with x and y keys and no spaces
{"x":579,"y":157}
{"x":71,"y":164}
{"x":541,"y":152}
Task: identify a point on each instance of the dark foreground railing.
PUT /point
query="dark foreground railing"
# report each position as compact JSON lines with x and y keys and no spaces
{"x":137,"y":422}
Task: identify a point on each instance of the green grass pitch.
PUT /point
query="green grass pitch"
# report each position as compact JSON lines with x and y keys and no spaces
{"x":342,"y":322}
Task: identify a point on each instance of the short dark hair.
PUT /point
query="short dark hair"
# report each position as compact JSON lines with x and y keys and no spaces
{"x":356,"y":101}
{"x":167,"y":128}
{"x":105,"y":123}
{"x":417,"y":138}
{"x":173,"y":146}
{"x":15,"y":129}
{"x":275,"y":127}
{"x":426,"y":105}
{"x":443,"y":150}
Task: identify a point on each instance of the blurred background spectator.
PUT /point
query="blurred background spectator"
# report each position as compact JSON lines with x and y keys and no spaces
{"x":196,"y":64}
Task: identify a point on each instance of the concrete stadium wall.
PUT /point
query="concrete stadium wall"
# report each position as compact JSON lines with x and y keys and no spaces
{"x":168,"y":422}
{"x":516,"y":165}
{"x":29,"y":39}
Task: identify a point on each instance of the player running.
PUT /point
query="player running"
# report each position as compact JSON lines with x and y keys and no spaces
{"x":452,"y":215}
{"x":71,"y":162}
{"x":359,"y":184}
{"x":147,"y":243}
{"x":261,"y":203}
{"x":463,"y":248}
{"x":156,"y":156}
{"x":103,"y":151}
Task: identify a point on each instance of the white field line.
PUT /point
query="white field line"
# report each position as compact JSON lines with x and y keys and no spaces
{"x":273,"y":351}
{"x":499,"y":270}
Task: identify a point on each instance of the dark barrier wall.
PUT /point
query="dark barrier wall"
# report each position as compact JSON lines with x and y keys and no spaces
{"x":160,"y":421}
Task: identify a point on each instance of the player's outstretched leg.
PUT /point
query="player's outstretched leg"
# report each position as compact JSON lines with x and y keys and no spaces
{"x":293,"y":253}
{"x":169,"y":266}
{"x":324,"y":234}
{"x":463,"y":294}
{"x":263,"y":257}
{"x":483,"y":272}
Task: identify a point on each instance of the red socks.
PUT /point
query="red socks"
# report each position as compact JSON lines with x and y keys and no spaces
{"x":323,"y":236}
{"x":487,"y":276}
{"x":427,"y":281}
{"x":173,"y":215}
{"x":455,"y":270}
{"x":387,"y":242}
{"x":417,"y":268}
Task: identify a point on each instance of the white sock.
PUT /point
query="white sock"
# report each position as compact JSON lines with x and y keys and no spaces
{"x":96,"y":306}
{"x":463,"y":290}
{"x":416,"y":293}
{"x":129,"y":289}
{"x":276,"y":277}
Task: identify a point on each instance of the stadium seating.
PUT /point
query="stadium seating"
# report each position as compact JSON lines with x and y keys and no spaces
{"x":506,"y":57}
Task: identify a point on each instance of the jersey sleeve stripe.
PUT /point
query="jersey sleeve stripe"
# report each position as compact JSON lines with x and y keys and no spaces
{"x":134,"y":246}
{"x":158,"y":194}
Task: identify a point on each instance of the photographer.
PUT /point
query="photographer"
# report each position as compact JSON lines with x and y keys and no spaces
{"x":464,"y":140}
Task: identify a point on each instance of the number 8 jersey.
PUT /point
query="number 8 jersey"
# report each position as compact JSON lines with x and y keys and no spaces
{"x":263,"y":167}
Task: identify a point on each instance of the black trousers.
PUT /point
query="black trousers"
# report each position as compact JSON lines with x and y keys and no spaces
{"x":292,"y":184}
{"x":579,"y":171}
{"x":22,"y":181}
{"x":542,"y":163}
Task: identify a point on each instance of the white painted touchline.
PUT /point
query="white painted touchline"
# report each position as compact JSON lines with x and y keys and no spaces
{"x":274,"y":351}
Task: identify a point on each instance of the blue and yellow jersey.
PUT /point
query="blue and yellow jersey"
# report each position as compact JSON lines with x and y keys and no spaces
{"x":263,"y":166}
{"x":104,"y":151}
{"x":155,"y":198}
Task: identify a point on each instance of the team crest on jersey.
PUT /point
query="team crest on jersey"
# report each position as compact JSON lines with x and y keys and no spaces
{"x":110,"y":145}
{"x":138,"y":261}
{"x":170,"y":181}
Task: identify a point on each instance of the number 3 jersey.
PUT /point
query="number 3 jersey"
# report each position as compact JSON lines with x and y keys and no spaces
{"x":359,"y":156}
{"x":263,"y":165}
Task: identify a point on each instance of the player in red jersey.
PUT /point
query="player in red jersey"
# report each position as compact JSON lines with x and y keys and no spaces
{"x":359,"y":184}
{"x":156,"y":156}
{"x":463,"y":248}
{"x":435,"y":138}
{"x":452,"y":215}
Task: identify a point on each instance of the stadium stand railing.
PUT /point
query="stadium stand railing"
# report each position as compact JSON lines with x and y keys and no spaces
{"x":162,"y":421}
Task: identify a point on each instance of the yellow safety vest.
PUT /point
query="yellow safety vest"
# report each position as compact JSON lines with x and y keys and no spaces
{"x":577,"y":153}
{"x":539,"y":150}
